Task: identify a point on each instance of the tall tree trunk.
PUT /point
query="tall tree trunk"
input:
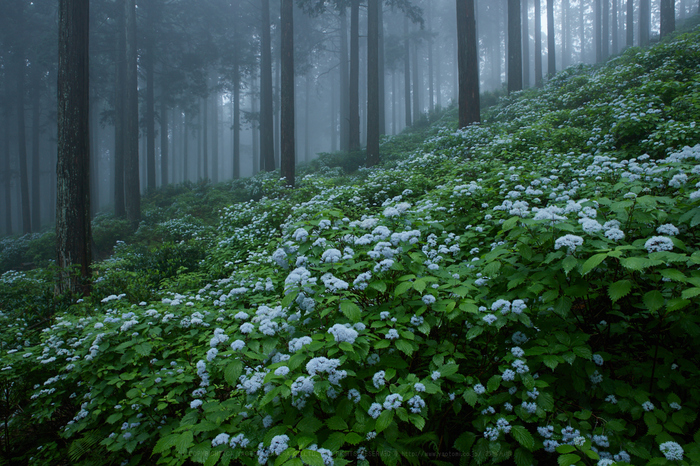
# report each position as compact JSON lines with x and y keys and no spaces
{"x":668,"y":17}
{"x":605,"y":39}
{"x":468,"y":62}
{"x":598,"y":28}
{"x":149,"y":65}
{"x":582,"y":29}
{"x":644,"y":22}
{"x":267,"y":134}
{"x":287,"y":158}
{"x":205,"y":138}
{"x":131,"y":121}
{"x":236,"y":114}
{"x":94,"y":157}
{"x":551,"y":35}
{"x":36,"y":136}
{"x":565,"y":29}
{"x":119,"y":115}
{"x":372,"y":82}
{"x":73,"y":233}
{"x":185,"y":147}
{"x":538,"y":43}
{"x":20,"y":64}
{"x":431,"y":86}
{"x":614,"y":26}
{"x":344,"y":83}
{"x":526,"y":44}
{"x":354,"y":127}
{"x":7,"y":174}
{"x":407,"y":73}
{"x":307,"y":117}
{"x":630,"y":23}
{"x":334,"y":116}
{"x":515,"y":58}
{"x":394,"y":92}
{"x":417,"y":83}
{"x":164,"y":140}
{"x":255,"y":127}
{"x":215,"y":138}
{"x":438,"y":78}
{"x":382,"y":73}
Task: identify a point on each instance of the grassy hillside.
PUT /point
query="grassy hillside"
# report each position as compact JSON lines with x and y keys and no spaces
{"x":524,"y":291}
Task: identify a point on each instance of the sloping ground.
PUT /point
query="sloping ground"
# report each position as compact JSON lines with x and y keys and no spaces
{"x":522,"y":291}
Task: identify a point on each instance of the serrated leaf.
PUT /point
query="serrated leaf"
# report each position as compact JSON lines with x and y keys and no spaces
{"x":384,"y":420}
{"x":351,"y":311}
{"x":493,"y":383}
{"x":184,"y":442}
{"x":309,"y":425}
{"x":213,"y":458}
{"x":114,"y":418}
{"x":144,"y":349}
{"x":522,"y":457}
{"x":419,"y":285}
{"x":582,"y":352}
{"x":353,"y":438}
{"x":676,"y":304}
{"x":619,"y":289}
{"x":289,"y":299}
{"x":336,"y":423}
{"x":474,"y":332}
{"x":166,"y":443}
{"x":569,"y":263}
{"x":312,"y":458}
{"x":510,"y":223}
{"x":523,"y":437}
{"x":465,"y":441}
{"x":654,"y":300}
{"x":564,"y":449}
{"x":638,"y":450}
{"x":417,"y":421}
{"x":233,"y":371}
{"x":403,"y":288}
{"x":449,"y":369}
{"x":563,"y":306}
{"x":690,"y":293}
{"x":550,"y":361}
{"x":404,"y":346}
{"x":470,"y":397}
{"x":674,"y":275}
{"x":568,"y":460}
{"x":592,"y":262}
{"x":335,"y":441}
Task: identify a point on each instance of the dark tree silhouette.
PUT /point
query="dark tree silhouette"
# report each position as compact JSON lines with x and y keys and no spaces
{"x":287,"y":156}
{"x":467,"y":57}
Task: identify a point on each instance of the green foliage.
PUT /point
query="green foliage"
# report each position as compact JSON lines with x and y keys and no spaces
{"x":522,"y":291}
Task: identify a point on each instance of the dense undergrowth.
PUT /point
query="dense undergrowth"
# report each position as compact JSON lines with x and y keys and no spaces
{"x":524,"y":291}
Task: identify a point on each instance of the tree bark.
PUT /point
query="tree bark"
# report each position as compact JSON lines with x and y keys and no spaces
{"x":630,"y":23}
{"x":215,"y":137}
{"x":149,"y":65}
{"x":7,"y":174}
{"x":132,"y":185}
{"x":287,"y":157}
{"x":538,"y":43}
{"x":551,"y":57}
{"x":20,"y":69}
{"x":36,"y":163}
{"x":605,"y":38}
{"x":267,"y":134}
{"x":164,"y":141}
{"x":515,"y":58}
{"x":73,"y":233}
{"x":382,"y":73}
{"x":668,"y":17}
{"x":431,"y":84}
{"x":185,"y":147}
{"x":644,"y":22}
{"x":236,"y":100}
{"x":526,"y":44}
{"x":119,"y":115}
{"x":372,"y":82}
{"x":204,"y":160}
{"x":468,"y":62}
{"x":614,"y":28}
{"x":407,"y":73}
{"x":417,"y":83}
{"x":344,"y":84}
{"x":354,"y":126}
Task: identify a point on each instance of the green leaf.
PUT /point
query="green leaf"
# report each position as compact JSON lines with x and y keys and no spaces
{"x":233,"y":371}
{"x":449,"y":369}
{"x":510,"y":223}
{"x":470,"y":397}
{"x":417,"y":421}
{"x":593,"y":262}
{"x":563,"y":449}
{"x":384,"y":420}
{"x":550,"y":361}
{"x":523,"y":436}
{"x":213,"y":458}
{"x":402,"y":288}
{"x":563,"y":306}
{"x":465,"y":441}
{"x":654,"y":300}
{"x":493,"y":383}
{"x":335,"y":442}
{"x":676,"y":304}
{"x":405,"y":347}
{"x":568,"y":460}
{"x":337,"y":423}
{"x":522,"y":457}
{"x":312,"y":458}
{"x":674,"y":275}
{"x":351,"y":311}
{"x":166,"y":443}
{"x":184,"y":442}
{"x":619,"y":289}
{"x":419,"y":285}
{"x":114,"y":418}
{"x":289,"y":299}
{"x":582,"y":352}
{"x":690,"y":293}
{"x":353,"y":438}
{"x":144,"y":349}
{"x":309,"y":424}
{"x":569,"y":263}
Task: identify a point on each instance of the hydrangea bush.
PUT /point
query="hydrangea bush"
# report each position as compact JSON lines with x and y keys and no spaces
{"x":523,"y":291}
